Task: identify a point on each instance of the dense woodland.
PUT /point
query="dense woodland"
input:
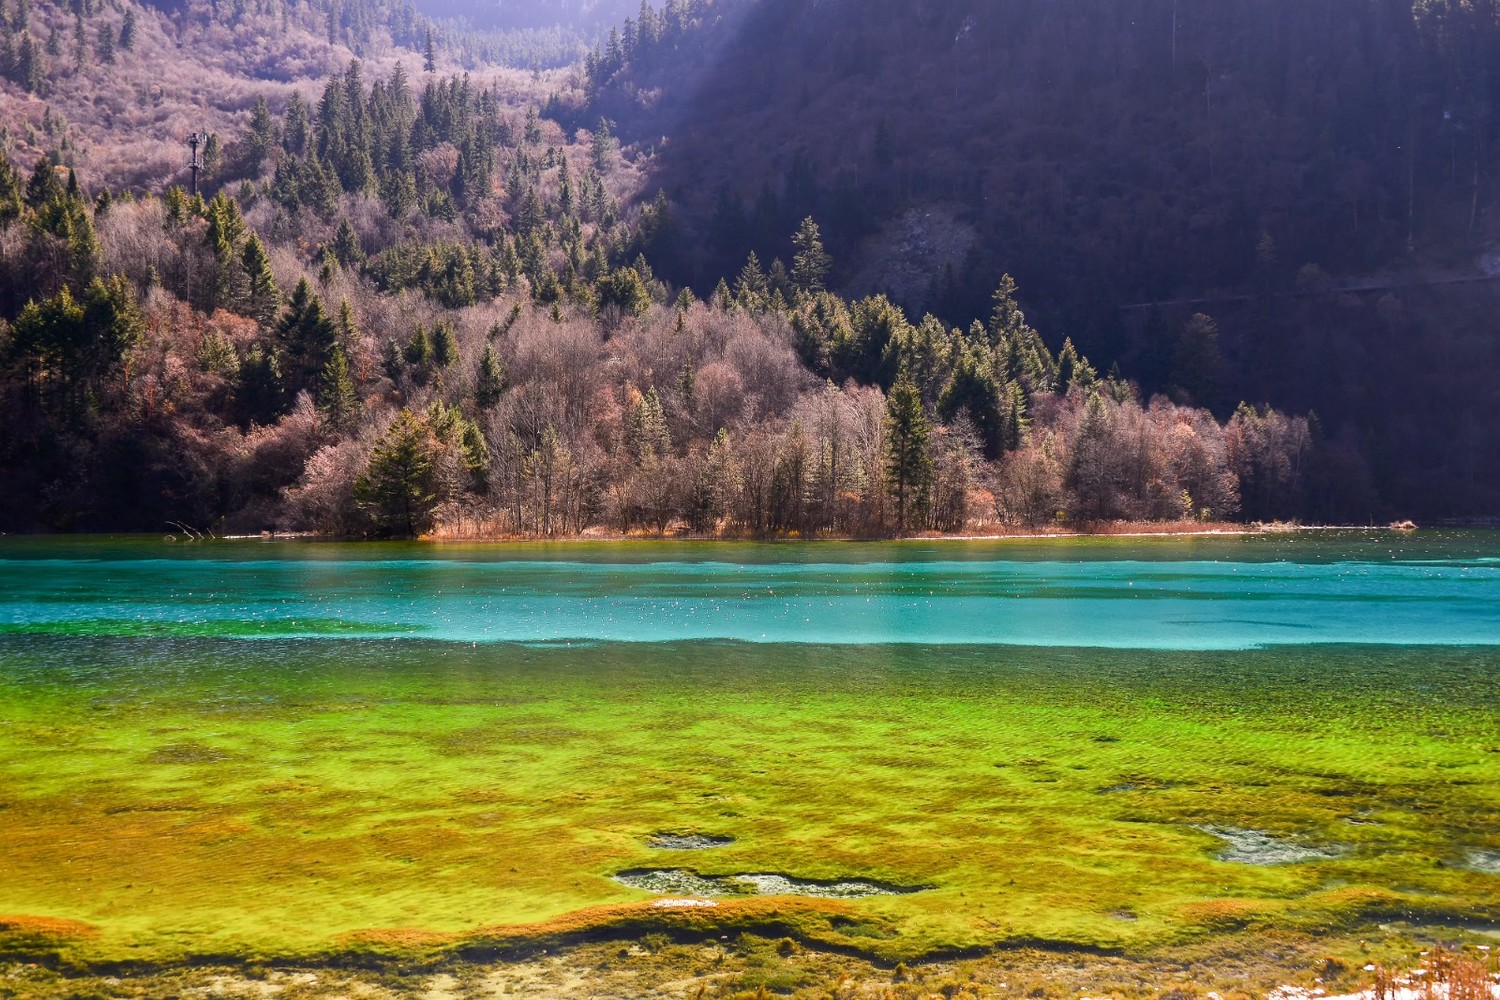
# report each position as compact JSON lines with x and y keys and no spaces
{"x":410,"y":299}
{"x":1298,"y":171}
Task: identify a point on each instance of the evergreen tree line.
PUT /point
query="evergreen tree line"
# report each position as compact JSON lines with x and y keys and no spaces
{"x":31,"y":50}
{"x":38,"y":48}
{"x":447,"y":154}
{"x":202,"y":391}
{"x":372,"y":140}
{"x":645,"y":42}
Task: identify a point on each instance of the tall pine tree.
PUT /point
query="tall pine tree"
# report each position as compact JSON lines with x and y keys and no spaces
{"x":908,"y":465}
{"x":306,"y":336}
{"x":337,"y":399}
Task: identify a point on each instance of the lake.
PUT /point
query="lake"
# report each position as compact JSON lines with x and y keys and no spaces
{"x":300,"y":747}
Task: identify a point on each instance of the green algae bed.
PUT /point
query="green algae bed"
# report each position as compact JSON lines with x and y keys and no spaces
{"x":269,"y":799}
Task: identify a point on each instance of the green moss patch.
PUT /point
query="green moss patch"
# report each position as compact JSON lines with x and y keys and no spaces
{"x":203,"y":796}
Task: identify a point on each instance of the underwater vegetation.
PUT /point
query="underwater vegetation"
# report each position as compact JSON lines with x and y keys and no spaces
{"x":202,"y":795}
{"x":163,"y":797}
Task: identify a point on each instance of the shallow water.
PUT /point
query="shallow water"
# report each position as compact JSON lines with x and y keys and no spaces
{"x":1042,"y":734}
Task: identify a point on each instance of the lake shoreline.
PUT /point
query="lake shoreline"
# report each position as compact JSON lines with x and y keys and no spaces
{"x":762,"y":961}
{"x":1122,"y":529}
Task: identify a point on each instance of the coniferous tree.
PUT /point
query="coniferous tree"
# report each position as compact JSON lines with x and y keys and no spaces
{"x":321,"y":187}
{"x":262,"y":298}
{"x":565,"y":201}
{"x":227,"y":286}
{"x":72,"y":345}
{"x":260,"y":135}
{"x":306,"y":335}
{"x":646,"y":431}
{"x":1198,"y":363}
{"x":337,"y":399}
{"x":127,"y":30}
{"x":69,"y":224}
{"x":392,"y":362}
{"x":444,"y":345}
{"x":908,"y":465}
{"x":260,"y":393}
{"x":348,"y":329}
{"x":30,"y":71}
{"x":462,"y":445}
{"x":104,"y":44}
{"x":622,"y":293}
{"x":80,"y":45}
{"x":398,"y":192}
{"x":647,"y":32}
{"x":429,"y":54}
{"x":418,"y":350}
{"x":1073,"y":369}
{"x":974,"y":391}
{"x":345,"y":244}
{"x":43,"y":186}
{"x":751,"y":287}
{"x":778,"y":284}
{"x":295,"y":126}
{"x":212,"y":155}
{"x":811,"y":263}
{"x":12,"y":194}
{"x":722,"y":299}
{"x":603,"y":146}
{"x":489,"y":381}
{"x":43,"y":343}
{"x":178,"y":207}
{"x":398,"y":490}
{"x":1092,"y":464}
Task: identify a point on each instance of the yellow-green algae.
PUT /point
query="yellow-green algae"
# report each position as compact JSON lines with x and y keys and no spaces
{"x":197,"y":796}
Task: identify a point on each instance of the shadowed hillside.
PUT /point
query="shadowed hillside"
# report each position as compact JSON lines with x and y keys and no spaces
{"x":1119,"y":153}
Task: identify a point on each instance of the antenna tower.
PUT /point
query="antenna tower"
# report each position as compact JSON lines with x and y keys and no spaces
{"x":193,"y":164}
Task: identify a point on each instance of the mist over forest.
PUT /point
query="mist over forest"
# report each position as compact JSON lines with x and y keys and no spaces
{"x":531,"y":34}
{"x":584,"y":16}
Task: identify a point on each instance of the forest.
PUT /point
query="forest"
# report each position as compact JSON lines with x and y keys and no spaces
{"x":527,"y":33}
{"x":411,"y":300}
{"x":1319,"y":178}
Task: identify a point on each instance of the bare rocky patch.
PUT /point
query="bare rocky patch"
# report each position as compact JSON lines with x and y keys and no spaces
{"x":679,"y":882}
{"x":1487,"y":862}
{"x":687,"y":841}
{"x":1257,"y":847}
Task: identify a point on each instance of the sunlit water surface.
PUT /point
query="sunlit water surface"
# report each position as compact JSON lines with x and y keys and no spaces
{"x":1206,"y":593}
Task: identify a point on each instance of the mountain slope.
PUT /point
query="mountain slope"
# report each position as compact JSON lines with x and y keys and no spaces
{"x":1111,"y":154}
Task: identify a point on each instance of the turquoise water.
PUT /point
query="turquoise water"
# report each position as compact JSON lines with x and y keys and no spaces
{"x":1164,"y":594}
